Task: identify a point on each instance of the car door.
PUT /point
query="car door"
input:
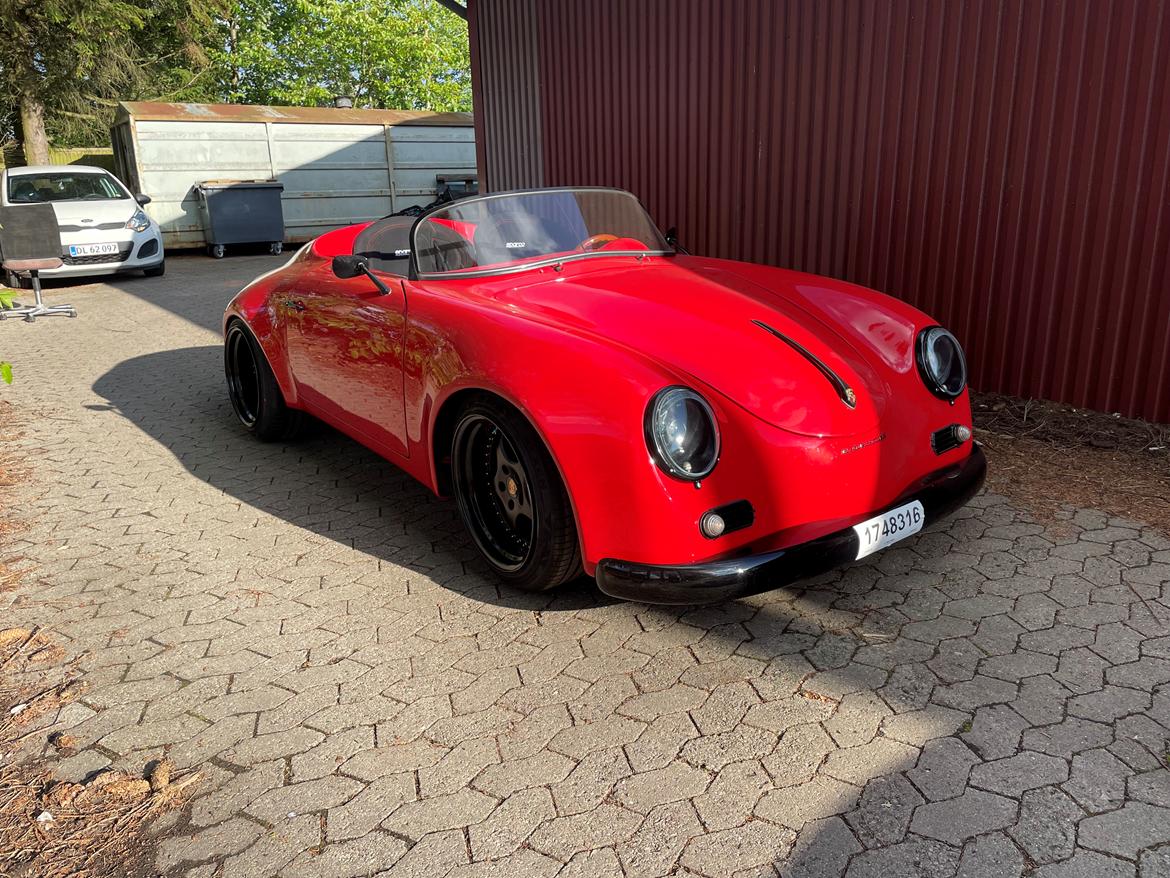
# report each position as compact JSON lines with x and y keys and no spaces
{"x":344,"y":342}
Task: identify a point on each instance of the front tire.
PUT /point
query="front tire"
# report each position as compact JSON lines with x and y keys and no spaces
{"x":511,"y":498}
{"x":255,"y":396}
{"x":155,"y":270}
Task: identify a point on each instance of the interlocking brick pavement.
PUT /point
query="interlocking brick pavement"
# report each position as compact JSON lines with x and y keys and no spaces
{"x":316,"y":634}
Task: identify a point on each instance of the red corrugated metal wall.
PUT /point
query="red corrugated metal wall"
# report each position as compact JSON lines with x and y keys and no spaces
{"x":508,"y":140}
{"x":1002,"y":164}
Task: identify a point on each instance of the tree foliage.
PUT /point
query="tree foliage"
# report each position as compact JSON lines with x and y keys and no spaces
{"x":175,"y":47}
{"x":60,"y":58}
{"x":399,"y":54}
{"x":71,"y":61}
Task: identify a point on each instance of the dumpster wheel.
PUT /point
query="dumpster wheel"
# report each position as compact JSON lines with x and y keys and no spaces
{"x":216,"y":251}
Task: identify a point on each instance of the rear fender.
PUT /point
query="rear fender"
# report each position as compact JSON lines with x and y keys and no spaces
{"x":256,"y":305}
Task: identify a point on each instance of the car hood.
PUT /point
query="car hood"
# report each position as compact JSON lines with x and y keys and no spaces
{"x":77,"y":212}
{"x":702,"y":318}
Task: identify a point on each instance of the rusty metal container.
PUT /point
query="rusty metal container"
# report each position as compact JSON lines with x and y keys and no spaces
{"x":337,"y":166}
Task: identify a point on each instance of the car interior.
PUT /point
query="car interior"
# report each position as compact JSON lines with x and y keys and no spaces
{"x":62,"y":187}
{"x":444,"y":248}
{"x":485,"y":234}
{"x":386,"y":244}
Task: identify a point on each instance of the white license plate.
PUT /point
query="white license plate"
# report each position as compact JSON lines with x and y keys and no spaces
{"x":889,"y":527}
{"x":93,"y":249}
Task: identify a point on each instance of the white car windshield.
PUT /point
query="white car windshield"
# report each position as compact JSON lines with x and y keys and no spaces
{"x":513,"y":231}
{"x":63,"y":186}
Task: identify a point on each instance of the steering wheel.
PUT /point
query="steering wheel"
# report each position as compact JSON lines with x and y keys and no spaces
{"x":596,"y":242}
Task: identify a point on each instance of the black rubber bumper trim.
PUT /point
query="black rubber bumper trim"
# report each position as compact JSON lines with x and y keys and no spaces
{"x":941,"y":493}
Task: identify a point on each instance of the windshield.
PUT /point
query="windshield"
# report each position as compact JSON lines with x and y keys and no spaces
{"x":518,"y":230}
{"x":63,"y":186}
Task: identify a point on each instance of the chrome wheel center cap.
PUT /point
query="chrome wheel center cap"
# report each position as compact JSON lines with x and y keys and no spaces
{"x":512,"y":489}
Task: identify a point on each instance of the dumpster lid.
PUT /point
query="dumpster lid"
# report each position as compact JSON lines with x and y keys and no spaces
{"x":240,"y":184}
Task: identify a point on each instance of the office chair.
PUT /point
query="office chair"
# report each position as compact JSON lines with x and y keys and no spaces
{"x":31,"y":242}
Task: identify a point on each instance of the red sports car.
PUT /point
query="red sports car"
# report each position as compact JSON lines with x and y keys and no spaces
{"x":684,"y":429}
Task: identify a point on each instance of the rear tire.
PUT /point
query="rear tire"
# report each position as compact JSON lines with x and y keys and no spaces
{"x":255,"y":396}
{"x":512,"y":499}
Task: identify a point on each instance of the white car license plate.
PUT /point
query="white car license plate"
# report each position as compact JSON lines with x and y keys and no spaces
{"x":93,"y":249}
{"x":889,"y":527}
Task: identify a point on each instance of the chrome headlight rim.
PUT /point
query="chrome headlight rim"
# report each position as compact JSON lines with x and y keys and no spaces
{"x":934,"y":383}
{"x":654,"y":443}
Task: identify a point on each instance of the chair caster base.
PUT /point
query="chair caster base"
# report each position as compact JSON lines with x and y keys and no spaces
{"x":30,"y":314}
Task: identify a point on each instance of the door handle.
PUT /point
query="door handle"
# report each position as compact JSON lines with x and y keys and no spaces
{"x":294,"y":304}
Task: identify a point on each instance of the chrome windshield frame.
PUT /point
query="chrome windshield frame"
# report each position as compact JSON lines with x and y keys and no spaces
{"x":513,"y":268}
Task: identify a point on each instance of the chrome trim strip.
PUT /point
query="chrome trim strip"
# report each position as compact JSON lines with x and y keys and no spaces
{"x":514,"y":268}
{"x":101,"y":227}
{"x":844,"y":391}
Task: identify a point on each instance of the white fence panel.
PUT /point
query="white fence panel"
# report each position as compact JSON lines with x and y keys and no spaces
{"x":333,"y":174}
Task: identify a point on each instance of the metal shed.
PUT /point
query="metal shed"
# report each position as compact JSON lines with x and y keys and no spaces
{"x":338,"y":166}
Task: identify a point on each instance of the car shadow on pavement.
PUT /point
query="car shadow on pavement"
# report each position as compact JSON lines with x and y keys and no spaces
{"x":334,"y":487}
{"x":323,"y":482}
{"x":818,"y":669}
{"x":940,"y":701}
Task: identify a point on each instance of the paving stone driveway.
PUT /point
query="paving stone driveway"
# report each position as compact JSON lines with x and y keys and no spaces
{"x":313,"y":631}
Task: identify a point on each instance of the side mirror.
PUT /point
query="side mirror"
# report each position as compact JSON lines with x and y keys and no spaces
{"x":350,"y":266}
{"x":142,"y":199}
{"x":347,"y":266}
{"x":671,"y":238}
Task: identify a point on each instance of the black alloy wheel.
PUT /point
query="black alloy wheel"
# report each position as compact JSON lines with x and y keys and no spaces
{"x":242,"y":376}
{"x":255,"y":396}
{"x":491,"y":481}
{"x":511,"y":498}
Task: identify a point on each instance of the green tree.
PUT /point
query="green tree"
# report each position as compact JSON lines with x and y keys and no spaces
{"x":400,"y":54}
{"x":64,"y":64}
{"x":7,"y":300}
{"x":59,"y":56}
{"x":172,"y":50}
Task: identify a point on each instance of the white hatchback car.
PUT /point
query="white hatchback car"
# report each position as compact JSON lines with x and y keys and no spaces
{"x":104,"y":229}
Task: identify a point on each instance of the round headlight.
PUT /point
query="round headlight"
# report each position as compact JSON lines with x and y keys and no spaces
{"x":941,"y":362}
{"x":681,"y":433}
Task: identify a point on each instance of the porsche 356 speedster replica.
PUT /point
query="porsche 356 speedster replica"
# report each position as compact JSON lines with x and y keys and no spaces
{"x":684,"y":429}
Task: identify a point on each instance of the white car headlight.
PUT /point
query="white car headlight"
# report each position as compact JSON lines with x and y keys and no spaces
{"x":139,"y":222}
{"x":681,"y":433}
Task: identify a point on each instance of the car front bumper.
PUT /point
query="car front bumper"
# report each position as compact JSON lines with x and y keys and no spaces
{"x":941,"y":493}
{"x":137,"y":250}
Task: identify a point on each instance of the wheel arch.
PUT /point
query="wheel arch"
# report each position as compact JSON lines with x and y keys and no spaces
{"x":443,"y":431}
{"x":265,"y":341}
